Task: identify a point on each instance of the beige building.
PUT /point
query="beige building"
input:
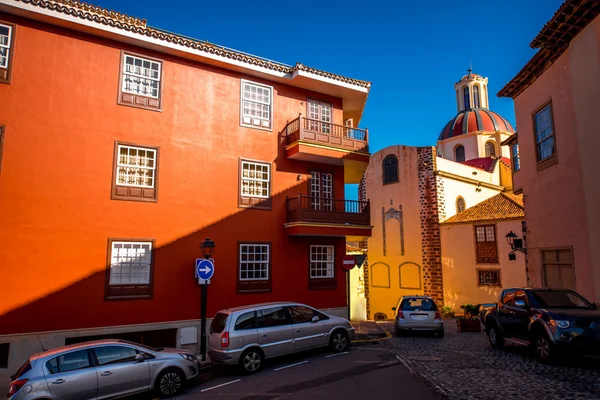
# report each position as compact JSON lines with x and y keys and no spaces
{"x":412,"y":190}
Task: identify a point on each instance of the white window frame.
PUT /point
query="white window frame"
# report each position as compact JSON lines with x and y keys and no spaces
{"x":254,"y":121}
{"x":7,"y":46}
{"x":133,"y":262}
{"x":141,"y":76}
{"x":120,"y":165}
{"x":330,"y":268}
{"x":263,"y":263}
{"x":260,"y":180}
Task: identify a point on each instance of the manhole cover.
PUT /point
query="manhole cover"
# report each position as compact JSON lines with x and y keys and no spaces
{"x":424,"y":358}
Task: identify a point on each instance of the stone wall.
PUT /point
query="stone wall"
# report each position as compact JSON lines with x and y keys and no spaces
{"x":431,"y":200}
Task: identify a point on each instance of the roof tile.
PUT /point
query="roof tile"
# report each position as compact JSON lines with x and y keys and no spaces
{"x":501,"y":207}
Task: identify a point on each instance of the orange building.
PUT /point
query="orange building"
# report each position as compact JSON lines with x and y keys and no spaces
{"x":556,"y":96}
{"x":123,"y":146}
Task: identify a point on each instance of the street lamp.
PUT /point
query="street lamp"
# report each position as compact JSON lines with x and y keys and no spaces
{"x":515,"y":243}
{"x":207,"y":247}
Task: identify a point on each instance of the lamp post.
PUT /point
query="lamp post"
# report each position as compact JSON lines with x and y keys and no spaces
{"x":207,"y":247}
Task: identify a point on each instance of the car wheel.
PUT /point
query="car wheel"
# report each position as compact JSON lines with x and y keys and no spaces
{"x":496,"y":338}
{"x":544,"y":348}
{"x":170,"y":383}
{"x":339,"y":341}
{"x":252,"y":361}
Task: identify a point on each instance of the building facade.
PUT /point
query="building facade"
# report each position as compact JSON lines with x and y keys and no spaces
{"x":123,"y":146}
{"x":413,"y":190}
{"x":556,"y":96}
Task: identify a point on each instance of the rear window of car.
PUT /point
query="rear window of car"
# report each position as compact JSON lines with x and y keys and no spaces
{"x":23,"y":370}
{"x":418,"y":304}
{"x":218,"y":323}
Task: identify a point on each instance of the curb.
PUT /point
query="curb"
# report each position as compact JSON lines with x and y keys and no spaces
{"x":364,"y":338}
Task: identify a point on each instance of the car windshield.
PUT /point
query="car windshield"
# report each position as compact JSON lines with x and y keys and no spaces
{"x":418,"y":304}
{"x":218,"y":323}
{"x":559,"y":299}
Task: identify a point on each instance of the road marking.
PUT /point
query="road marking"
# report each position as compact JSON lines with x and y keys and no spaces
{"x":290,"y":366}
{"x":218,"y":386}
{"x":337,"y":354}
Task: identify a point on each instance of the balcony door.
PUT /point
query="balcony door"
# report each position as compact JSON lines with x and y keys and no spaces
{"x":320,"y":114}
{"x":321,"y":190}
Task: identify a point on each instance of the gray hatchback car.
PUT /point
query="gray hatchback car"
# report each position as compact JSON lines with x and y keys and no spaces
{"x":248,"y":335}
{"x":102,"y":369}
{"x":418,"y":313}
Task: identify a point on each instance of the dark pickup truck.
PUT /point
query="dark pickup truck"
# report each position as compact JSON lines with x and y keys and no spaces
{"x":550,"y":321}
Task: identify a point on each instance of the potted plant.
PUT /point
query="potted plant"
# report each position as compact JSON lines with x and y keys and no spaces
{"x":447,"y":312}
{"x":469,"y":321}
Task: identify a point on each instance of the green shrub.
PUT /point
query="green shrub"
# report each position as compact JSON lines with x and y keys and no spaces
{"x":447,"y":312}
{"x":471,"y":311}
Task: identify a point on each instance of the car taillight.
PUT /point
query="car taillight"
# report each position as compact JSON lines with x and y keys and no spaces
{"x":438,"y":315}
{"x":225,"y":339}
{"x":15,"y":386}
{"x":400,"y":314}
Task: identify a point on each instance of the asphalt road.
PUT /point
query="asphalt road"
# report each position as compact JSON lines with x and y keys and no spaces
{"x":367,"y":370}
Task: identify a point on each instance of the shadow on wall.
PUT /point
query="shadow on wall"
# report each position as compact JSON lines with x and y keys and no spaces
{"x":175,"y":294}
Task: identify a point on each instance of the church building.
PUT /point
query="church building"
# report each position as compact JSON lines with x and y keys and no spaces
{"x":440,"y":214}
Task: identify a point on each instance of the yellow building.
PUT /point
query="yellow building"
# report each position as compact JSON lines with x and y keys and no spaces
{"x":412,"y":190}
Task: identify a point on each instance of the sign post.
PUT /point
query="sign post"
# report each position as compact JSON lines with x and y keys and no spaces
{"x":205,"y":269}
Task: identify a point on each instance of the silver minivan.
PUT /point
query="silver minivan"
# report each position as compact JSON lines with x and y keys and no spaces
{"x":248,"y":335}
{"x":103,"y":369}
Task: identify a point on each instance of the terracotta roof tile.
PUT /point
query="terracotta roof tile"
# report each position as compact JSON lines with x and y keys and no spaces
{"x":504,"y":206}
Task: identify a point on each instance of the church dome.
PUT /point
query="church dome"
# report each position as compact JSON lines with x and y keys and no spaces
{"x":474,"y":120}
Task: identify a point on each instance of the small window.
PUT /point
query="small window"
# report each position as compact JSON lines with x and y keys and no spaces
{"x":490,"y":149}
{"x":321,"y":261}
{"x":4,"y":348}
{"x":390,"y":169}
{"x":254,"y":267}
{"x":114,"y":354}
{"x":488,"y":277}
{"x":69,"y":362}
{"x":487,"y":247}
{"x":245,"y":321}
{"x":516,"y":160}
{"x":141,"y":84}
{"x":557,"y":268}
{"x":544,"y":134}
{"x":257,"y":104}
{"x":255,"y":184}
{"x":460,"y":205}
{"x":466,"y":98}
{"x":459,"y":153}
{"x":218,"y":323}
{"x":135,"y":173}
{"x":272,"y":317}
{"x":130,"y":269}
{"x":508,"y":297}
{"x":6,"y":51}
{"x":319,"y":114}
{"x":475,"y":96}
{"x":301,"y":314}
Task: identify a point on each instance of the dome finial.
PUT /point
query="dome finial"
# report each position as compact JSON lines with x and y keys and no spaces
{"x":470,"y":66}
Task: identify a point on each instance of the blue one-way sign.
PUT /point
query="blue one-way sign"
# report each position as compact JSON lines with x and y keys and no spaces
{"x":205,"y":269}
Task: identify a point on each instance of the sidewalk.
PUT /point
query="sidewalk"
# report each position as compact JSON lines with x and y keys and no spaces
{"x":368,"y":330}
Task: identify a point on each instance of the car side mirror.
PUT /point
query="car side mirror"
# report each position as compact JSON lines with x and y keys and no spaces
{"x":139,"y":358}
{"x":520,"y":304}
{"x":393,"y":308}
{"x":315,"y":318}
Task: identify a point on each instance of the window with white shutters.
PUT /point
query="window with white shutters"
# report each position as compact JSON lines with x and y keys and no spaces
{"x":129,"y":269}
{"x":141,"y":81}
{"x":135,"y":175}
{"x":256,"y":105}
{"x":254,"y":267}
{"x":7,"y":41}
{"x":255,"y":184}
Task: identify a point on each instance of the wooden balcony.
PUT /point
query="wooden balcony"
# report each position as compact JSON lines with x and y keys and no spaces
{"x":317,"y":216}
{"x":322,"y":142}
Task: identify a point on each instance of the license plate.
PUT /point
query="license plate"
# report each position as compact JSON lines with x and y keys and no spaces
{"x":418,"y":317}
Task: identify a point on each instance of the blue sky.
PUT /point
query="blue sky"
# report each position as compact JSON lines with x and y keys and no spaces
{"x":413,"y":52}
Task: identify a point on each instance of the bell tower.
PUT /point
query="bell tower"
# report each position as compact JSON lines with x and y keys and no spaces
{"x":471,"y":92}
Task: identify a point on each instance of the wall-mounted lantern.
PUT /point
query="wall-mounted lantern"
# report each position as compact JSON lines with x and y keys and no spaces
{"x":515,"y":242}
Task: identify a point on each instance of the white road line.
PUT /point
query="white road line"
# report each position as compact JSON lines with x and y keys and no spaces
{"x":218,"y":386}
{"x":337,"y":354}
{"x":290,"y":366}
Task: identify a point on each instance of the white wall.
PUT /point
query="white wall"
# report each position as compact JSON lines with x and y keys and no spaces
{"x":454,"y":188}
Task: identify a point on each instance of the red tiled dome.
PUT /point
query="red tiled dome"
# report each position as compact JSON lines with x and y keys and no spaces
{"x":475,"y":119}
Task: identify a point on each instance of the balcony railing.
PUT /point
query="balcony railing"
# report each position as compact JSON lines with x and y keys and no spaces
{"x":325,"y":210}
{"x":326,"y":133}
